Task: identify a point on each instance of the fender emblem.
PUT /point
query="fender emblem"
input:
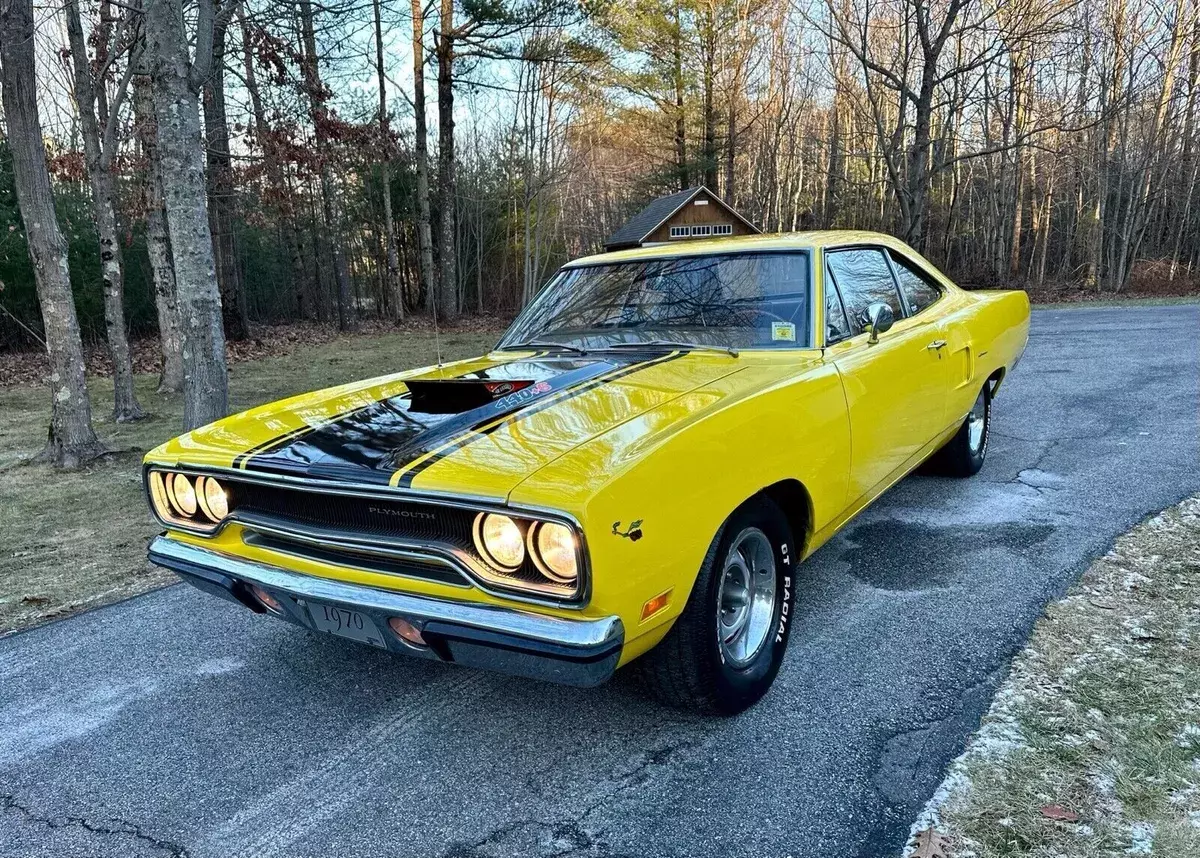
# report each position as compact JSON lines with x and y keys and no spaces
{"x":633,"y":533}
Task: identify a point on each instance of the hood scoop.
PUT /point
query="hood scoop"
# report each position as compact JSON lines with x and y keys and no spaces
{"x":456,"y":395}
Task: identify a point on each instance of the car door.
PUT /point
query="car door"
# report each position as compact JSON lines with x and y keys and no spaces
{"x":895,"y":388}
{"x":921,"y":293}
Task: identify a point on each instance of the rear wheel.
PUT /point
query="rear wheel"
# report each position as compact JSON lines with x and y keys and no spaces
{"x":724,"y":650}
{"x":963,"y":454}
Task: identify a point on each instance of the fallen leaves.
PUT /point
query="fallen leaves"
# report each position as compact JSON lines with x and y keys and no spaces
{"x":1059,"y":813}
{"x":929,"y":843}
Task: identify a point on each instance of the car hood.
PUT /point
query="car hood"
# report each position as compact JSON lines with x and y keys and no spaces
{"x":476,"y":427}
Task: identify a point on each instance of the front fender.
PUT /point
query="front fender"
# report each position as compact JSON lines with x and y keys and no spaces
{"x":653,"y":492}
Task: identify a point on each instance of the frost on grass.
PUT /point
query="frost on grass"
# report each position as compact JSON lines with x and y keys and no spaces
{"x":1100,"y":717}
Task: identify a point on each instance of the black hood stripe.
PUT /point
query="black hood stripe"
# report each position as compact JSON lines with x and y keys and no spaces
{"x":280,"y":441}
{"x":374,"y":442}
{"x":405,"y":477}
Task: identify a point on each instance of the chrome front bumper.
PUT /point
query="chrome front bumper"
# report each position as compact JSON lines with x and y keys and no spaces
{"x":580,"y":652}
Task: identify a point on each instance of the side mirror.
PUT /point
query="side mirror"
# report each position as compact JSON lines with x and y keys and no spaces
{"x":879,"y":320}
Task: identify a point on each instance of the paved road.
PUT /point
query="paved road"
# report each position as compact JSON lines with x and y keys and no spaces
{"x":178,"y":724}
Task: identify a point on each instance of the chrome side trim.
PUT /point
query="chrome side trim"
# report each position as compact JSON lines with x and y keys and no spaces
{"x":526,"y":625}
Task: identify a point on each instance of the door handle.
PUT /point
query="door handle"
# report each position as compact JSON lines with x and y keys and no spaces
{"x":936,"y":344}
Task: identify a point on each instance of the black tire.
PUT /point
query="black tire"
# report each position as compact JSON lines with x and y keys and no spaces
{"x":959,"y":457}
{"x":688,"y":668}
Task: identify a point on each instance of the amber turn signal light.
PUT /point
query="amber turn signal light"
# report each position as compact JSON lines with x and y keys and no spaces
{"x":406,"y":631}
{"x":268,"y":601}
{"x":656,"y":605}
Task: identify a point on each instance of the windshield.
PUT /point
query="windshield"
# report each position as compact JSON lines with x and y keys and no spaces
{"x":746,"y":300}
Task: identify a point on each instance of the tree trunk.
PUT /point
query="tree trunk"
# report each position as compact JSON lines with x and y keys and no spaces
{"x":447,"y":253}
{"x":731,"y":143}
{"x":681,"y":165}
{"x":71,"y":440}
{"x":330,"y":209}
{"x":99,"y":168}
{"x":708,"y":38}
{"x":205,"y":382}
{"x":421,"y":153}
{"x":219,"y":177}
{"x":158,"y":245}
{"x":392,"y":284}
{"x":918,"y":167}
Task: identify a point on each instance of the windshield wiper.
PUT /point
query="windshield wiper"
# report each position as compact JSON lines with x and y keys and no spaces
{"x":543,"y":344}
{"x":673,"y":344}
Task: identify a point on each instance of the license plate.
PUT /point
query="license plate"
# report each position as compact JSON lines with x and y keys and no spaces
{"x":346,"y":623}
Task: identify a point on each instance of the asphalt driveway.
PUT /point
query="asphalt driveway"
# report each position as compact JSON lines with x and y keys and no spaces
{"x":177,"y":724}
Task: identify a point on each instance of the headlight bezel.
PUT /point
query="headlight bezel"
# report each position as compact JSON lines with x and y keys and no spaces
{"x":541,"y":581}
{"x":160,"y":483}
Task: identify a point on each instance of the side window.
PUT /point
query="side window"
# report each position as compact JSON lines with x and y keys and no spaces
{"x":836,"y":326}
{"x":917,"y":287}
{"x":864,"y":278}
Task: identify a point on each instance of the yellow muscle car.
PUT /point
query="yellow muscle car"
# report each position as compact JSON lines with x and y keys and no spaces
{"x":637,"y":471}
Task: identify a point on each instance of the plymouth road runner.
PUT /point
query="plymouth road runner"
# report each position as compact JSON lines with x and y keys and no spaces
{"x":637,"y":471}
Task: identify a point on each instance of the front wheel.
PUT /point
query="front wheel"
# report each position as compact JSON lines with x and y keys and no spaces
{"x":963,"y":454}
{"x":724,"y":650}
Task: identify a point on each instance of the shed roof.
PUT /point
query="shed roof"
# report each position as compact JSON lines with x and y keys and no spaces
{"x":638,"y":227}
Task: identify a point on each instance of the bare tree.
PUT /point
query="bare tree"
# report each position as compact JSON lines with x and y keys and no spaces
{"x":273,"y":154}
{"x":71,"y":440}
{"x":421,"y":153}
{"x":447,"y":300}
{"x":392,"y":284}
{"x":177,"y":82}
{"x":158,"y":243}
{"x":98,"y":119}
{"x":318,"y":97}
{"x":219,"y":181}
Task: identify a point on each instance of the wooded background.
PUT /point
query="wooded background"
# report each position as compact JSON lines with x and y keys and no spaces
{"x":217,"y":164}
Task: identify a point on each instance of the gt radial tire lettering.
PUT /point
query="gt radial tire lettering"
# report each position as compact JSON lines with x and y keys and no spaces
{"x":783,"y":609}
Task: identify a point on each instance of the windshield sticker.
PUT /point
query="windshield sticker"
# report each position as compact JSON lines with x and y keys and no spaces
{"x":783,"y":331}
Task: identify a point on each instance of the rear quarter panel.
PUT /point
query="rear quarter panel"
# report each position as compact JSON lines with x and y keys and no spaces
{"x":996,"y":324}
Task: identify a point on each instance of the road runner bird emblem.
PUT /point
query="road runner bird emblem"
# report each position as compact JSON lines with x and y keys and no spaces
{"x":633,"y":533}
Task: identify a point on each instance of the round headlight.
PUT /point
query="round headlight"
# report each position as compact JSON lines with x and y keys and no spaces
{"x":499,"y":540}
{"x":158,"y":495}
{"x":555,"y":552}
{"x":213,"y":499}
{"x":182,"y":494}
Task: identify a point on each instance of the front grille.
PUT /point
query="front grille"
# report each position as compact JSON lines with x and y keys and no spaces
{"x":368,"y":520}
{"x":356,"y":516}
{"x":358,"y":559}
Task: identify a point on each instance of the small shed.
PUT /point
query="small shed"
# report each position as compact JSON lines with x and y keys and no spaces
{"x":694,"y":213}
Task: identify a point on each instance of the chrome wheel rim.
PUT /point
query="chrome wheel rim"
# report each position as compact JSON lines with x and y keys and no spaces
{"x":746,"y":599}
{"x":977,"y":422}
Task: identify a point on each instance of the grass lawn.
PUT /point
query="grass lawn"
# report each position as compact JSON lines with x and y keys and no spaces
{"x":1092,"y":746}
{"x":70,"y":541}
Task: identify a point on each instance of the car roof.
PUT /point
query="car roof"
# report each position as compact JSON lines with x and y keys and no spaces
{"x":775,"y":241}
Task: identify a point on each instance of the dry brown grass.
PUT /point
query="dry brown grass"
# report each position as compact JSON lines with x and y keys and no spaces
{"x":70,"y":541}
